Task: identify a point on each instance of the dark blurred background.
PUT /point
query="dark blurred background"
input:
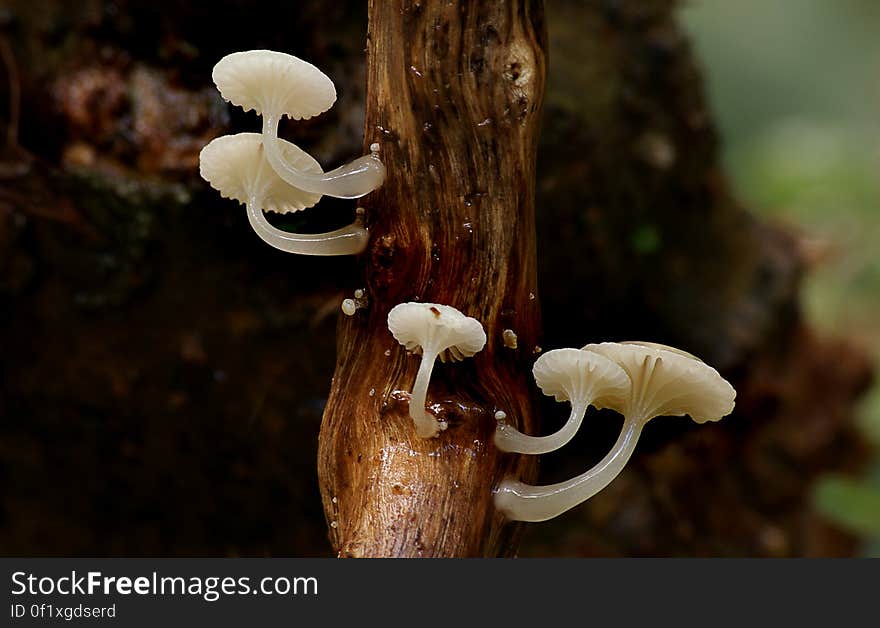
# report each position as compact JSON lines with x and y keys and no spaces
{"x":795,"y":86}
{"x":163,"y":371}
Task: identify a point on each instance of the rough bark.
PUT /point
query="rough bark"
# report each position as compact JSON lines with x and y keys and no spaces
{"x":454,"y":95}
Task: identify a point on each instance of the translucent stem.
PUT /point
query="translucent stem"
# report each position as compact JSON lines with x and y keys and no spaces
{"x":522,"y":502}
{"x":353,"y":180}
{"x":508,"y":438}
{"x":426,"y":425}
{"x":349,"y":240}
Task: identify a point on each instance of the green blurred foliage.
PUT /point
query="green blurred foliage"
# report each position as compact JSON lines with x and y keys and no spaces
{"x":795,"y":85}
{"x":852,"y":503}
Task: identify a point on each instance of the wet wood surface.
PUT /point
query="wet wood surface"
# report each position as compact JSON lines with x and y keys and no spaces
{"x":454,"y":100}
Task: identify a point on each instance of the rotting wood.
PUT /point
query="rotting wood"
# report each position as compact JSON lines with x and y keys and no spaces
{"x":454,"y":99}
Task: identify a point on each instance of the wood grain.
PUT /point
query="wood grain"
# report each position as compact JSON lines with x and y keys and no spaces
{"x":454,"y":99}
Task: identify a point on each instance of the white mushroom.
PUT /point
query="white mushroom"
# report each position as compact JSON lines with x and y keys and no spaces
{"x":433,"y":330}
{"x":236,"y":166}
{"x":275,"y":84}
{"x":576,"y":375}
{"x":665,"y":381}
{"x":669,"y":382}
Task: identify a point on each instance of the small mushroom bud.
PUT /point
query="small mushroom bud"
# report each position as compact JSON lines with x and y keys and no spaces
{"x":433,"y":330}
{"x":349,"y":307}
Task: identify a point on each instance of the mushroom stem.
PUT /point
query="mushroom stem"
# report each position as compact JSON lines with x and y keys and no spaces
{"x":349,"y":240}
{"x":508,"y":438}
{"x":426,"y":425}
{"x":522,"y":502}
{"x":352,"y":180}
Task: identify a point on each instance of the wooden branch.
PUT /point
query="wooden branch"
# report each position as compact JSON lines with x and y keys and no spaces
{"x":454,"y":98}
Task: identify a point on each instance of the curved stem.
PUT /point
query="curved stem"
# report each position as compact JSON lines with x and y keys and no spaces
{"x":353,"y":180}
{"x":522,"y":502}
{"x":349,"y":240}
{"x":426,"y":425}
{"x":508,"y":438}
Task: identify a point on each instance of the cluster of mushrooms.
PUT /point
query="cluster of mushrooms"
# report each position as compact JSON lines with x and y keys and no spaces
{"x":266,"y":173}
{"x":640,"y":380}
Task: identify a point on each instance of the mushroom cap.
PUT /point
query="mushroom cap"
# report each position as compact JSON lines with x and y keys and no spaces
{"x":657,"y":345}
{"x":440,"y":328}
{"x":668,"y":382}
{"x":236,"y":167}
{"x":580,"y":375}
{"x":275,"y":83}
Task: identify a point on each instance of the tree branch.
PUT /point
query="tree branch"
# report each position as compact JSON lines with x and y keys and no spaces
{"x":454,"y":98}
